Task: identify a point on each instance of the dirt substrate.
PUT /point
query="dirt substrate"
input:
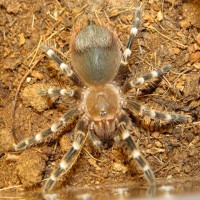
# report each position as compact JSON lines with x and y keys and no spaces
{"x":169,"y":33}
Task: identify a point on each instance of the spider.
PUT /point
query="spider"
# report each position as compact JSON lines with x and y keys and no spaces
{"x":96,"y":58}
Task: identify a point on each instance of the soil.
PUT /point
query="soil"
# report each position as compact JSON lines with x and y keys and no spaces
{"x":169,"y":33}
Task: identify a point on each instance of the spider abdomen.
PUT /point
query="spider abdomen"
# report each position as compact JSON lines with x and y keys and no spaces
{"x":96,"y":55}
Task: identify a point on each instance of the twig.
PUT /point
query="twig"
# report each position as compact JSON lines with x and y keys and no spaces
{"x":11,"y":187}
{"x":55,"y":25}
{"x":18,"y":89}
{"x":179,"y":75}
{"x":149,"y":64}
{"x":98,"y":19}
{"x":152,"y":28}
{"x":33,"y":21}
{"x":89,"y":154}
{"x":53,"y":34}
{"x":81,"y":11}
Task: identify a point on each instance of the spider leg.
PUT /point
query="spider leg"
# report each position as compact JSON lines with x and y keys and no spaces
{"x":139,"y":81}
{"x":135,"y":152}
{"x":41,"y":135}
{"x":63,"y":66}
{"x":133,"y":33}
{"x":144,"y":110}
{"x":60,"y":92}
{"x":69,"y":158}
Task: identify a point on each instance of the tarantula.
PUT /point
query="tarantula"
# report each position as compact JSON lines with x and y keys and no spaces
{"x":96,"y":58}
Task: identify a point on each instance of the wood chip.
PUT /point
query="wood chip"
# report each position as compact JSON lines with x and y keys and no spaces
{"x":159,"y":16}
{"x":194,"y":57}
{"x":94,"y":164}
{"x":21,"y":39}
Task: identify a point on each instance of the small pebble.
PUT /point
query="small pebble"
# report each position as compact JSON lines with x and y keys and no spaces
{"x":159,"y":16}
{"x":28,"y":79}
{"x":197,"y":38}
{"x":194,"y":57}
{"x":13,"y":7}
{"x":185,"y":23}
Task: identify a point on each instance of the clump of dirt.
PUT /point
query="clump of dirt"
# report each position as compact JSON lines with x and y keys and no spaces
{"x":169,"y":33}
{"x":31,"y":95}
{"x":33,"y":161}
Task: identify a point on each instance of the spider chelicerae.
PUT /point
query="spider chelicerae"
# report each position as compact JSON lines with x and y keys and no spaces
{"x":96,"y":58}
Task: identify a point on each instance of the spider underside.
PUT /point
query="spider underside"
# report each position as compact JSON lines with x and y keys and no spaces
{"x":96,"y":59}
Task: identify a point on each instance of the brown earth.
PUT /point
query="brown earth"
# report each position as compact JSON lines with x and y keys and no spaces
{"x":169,"y":34}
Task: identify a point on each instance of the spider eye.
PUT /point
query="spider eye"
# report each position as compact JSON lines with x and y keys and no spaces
{"x":103,"y":113}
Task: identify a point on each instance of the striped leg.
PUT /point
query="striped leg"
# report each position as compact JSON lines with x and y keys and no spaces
{"x":144,"y":110}
{"x":136,"y":154}
{"x":41,"y":135}
{"x":69,"y":158}
{"x":63,"y":66}
{"x":133,"y":32}
{"x":139,"y":81}
{"x":60,"y":92}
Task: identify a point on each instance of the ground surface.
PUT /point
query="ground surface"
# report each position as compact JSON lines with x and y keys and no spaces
{"x":169,"y":34}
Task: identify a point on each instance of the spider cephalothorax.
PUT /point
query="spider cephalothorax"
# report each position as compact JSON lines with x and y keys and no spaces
{"x":96,"y":58}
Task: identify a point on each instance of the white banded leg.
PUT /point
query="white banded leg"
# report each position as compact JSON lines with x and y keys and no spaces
{"x":41,"y":135}
{"x":139,"y":81}
{"x":133,"y":32}
{"x":60,"y":92}
{"x":63,"y":66}
{"x":144,"y":110}
{"x":135,"y":152}
{"x":69,"y":158}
